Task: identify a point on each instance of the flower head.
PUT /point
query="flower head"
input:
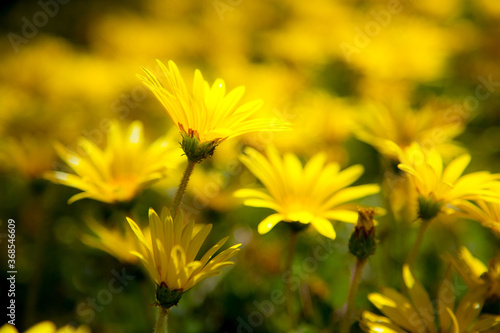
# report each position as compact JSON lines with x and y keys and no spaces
{"x":46,"y":327}
{"x":28,"y":155}
{"x":443,"y":189}
{"x":170,"y":255}
{"x":477,"y":275}
{"x":377,"y":125}
{"x":310,"y":194}
{"x":417,"y":313}
{"x":206,"y":114}
{"x":113,"y":241}
{"x":123,"y":169}
{"x":487,"y":213}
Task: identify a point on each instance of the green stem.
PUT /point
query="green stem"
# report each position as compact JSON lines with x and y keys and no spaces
{"x":351,"y":296}
{"x":161,"y":321}
{"x":288,"y":270}
{"x":182,"y":188}
{"x":418,"y":243}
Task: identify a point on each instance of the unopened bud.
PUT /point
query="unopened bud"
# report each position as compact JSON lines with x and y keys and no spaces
{"x":362,"y":243}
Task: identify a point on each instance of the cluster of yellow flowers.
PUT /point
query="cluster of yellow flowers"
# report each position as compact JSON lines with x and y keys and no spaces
{"x":292,"y":154}
{"x":312,"y":194}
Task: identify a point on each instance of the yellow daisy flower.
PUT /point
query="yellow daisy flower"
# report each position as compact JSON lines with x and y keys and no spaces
{"x":476,"y":275}
{"x":310,"y":194}
{"x":429,"y":127}
{"x":417,"y":313}
{"x":207,"y":115}
{"x":113,"y":241}
{"x":45,"y":327}
{"x":122,"y":170}
{"x":27,"y":155}
{"x":443,"y":189}
{"x":487,"y":213}
{"x":169,"y":257}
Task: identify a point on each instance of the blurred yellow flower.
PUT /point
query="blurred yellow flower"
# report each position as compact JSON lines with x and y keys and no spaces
{"x":123,"y":169}
{"x":29,"y":156}
{"x":476,"y":275}
{"x":113,"y":241}
{"x":307,"y":36}
{"x":417,"y":313}
{"x":428,"y":126}
{"x":444,"y":9}
{"x":331,"y":118}
{"x":169,"y":257}
{"x":313,"y":193}
{"x":487,"y":213}
{"x":421,"y":56}
{"x":443,"y":190}
{"x":207,"y":113}
{"x":46,"y":327}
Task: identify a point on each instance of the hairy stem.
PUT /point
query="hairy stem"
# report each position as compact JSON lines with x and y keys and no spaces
{"x":182,"y":188}
{"x":161,"y":321}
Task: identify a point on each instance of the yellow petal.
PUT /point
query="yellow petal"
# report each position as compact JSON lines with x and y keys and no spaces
{"x":261,"y":204}
{"x":343,"y":215}
{"x":470,"y":307}
{"x":446,"y":299}
{"x":324,"y":227}
{"x":420,"y":299}
{"x":485,"y":322}
{"x":269,"y":222}
{"x":397,"y":308}
{"x":455,"y":327}
{"x":197,"y":242}
{"x":137,"y":231}
{"x":476,"y":266}
{"x":350,"y":194}
{"x":8,"y":328}
{"x":455,"y":169}
{"x":43,"y":327}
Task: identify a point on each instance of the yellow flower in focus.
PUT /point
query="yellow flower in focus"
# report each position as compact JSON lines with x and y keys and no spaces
{"x":442,"y":190}
{"x":113,"y":241}
{"x":169,"y":257}
{"x":310,"y":194}
{"x":476,"y":275}
{"x":429,"y":126}
{"x":206,"y":114}
{"x":122,"y":170}
{"x":46,"y":327}
{"x":417,"y":313}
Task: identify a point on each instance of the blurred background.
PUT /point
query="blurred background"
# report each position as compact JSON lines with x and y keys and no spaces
{"x":347,"y":74}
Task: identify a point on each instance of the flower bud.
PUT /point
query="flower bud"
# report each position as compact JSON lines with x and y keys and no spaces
{"x":362,"y":243}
